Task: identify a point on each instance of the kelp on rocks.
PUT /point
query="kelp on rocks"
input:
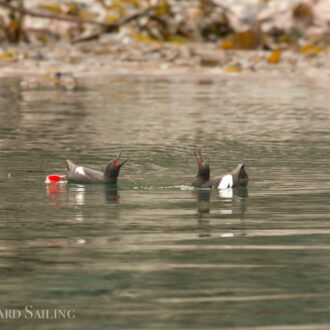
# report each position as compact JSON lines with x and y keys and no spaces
{"x":267,"y":24}
{"x":163,"y":34}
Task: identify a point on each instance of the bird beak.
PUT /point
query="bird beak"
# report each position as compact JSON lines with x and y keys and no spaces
{"x":123,"y":163}
{"x":118,"y":158}
{"x":199,"y":157}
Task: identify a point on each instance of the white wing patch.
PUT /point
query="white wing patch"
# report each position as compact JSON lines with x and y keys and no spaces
{"x":79,"y":170}
{"x":226,"y":182}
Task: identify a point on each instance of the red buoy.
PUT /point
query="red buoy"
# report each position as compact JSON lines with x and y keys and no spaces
{"x":54,"y":178}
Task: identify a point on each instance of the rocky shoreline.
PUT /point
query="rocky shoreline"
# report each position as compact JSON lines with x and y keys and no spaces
{"x":164,"y":38}
{"x":154,"y":58}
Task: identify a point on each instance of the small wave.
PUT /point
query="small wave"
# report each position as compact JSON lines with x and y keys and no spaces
{"x":180,"y":187}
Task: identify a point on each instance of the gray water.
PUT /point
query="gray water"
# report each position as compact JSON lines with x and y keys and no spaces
{"x":156,"y":254}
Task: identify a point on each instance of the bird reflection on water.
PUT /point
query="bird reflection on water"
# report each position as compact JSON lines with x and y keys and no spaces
{"x":227,"y":200}
{"x":111,"y":194}
{"x":76,"y":194}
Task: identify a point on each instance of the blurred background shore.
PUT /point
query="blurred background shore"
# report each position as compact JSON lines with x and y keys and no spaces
{"x":216,"y":37}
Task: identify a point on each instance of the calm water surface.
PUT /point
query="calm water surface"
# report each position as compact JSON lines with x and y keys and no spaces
{"x":155,"y":254}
